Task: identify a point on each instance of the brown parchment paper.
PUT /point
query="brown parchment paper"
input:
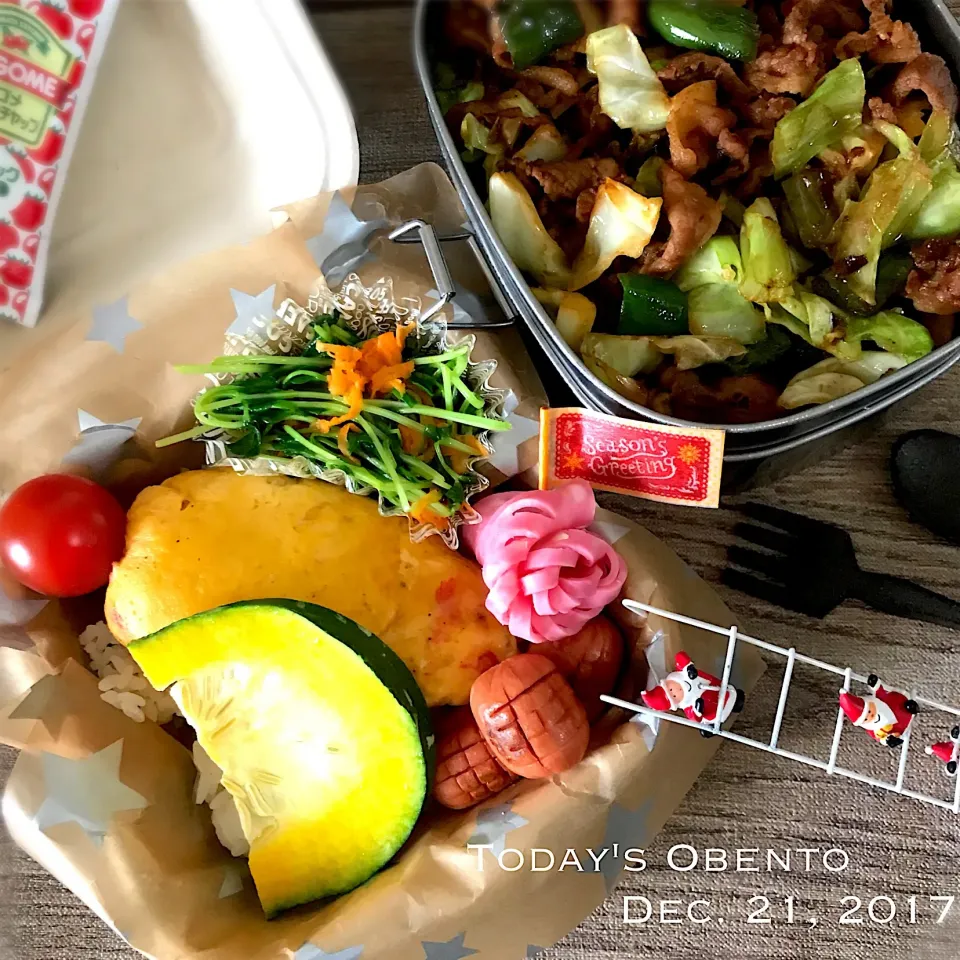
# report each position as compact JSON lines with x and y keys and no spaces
{"x":106,"y":804}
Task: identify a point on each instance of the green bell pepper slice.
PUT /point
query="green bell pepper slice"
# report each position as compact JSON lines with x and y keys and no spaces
{"x":729,"y":31}
{"x":532,"y":29}
{"x":652,"y":307}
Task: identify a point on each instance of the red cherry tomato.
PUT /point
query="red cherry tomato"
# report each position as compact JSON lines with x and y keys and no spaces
{"x":60,"y":535}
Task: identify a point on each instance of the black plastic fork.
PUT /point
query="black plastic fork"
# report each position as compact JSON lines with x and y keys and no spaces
{"x":811,"y":567}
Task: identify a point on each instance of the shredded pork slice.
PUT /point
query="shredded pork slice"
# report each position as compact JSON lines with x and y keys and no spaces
{"x":694,"y":124}
{"x":736,"y":146}
{"x":694,"y":217}
{"x":819,"y":20}
{"x":567,"y":179}
{"x":745,"y":399}
{"x":930,"y":75}
{"x":881,"y":110}
{"x":693,"y":67}
{"x":467,"y":25}
{"x":788,"y":68}
{"x":934,"y":284}
{"x":766,"y":111}
{"x":555,"y":77}
{"x":885,"y":41}
{"x":585,"y":204}
{"x":810,"y":31}
{"x":628,"y":12}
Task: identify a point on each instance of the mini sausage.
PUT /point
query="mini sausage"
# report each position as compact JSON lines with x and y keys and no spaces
{"x":467,"y":772}
{"x":530,"y":717}
{"x":590,"y":660}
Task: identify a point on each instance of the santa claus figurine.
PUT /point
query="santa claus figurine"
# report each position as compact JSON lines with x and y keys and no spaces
{"x":697,"y":694}
{"x":948,"y":752}
{"x":885,"y":715}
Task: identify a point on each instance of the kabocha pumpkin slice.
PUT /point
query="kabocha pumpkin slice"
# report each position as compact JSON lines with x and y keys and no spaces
{"x":323,"y":736}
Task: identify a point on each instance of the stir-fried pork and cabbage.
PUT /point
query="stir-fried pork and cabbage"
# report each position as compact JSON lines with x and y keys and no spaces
{"x":731,"y":210}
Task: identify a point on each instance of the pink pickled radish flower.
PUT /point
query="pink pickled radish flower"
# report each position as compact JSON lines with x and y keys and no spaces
{"x":548,"y":576}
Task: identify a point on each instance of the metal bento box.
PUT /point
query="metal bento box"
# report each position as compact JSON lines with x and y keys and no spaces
{"x":768,"y":448}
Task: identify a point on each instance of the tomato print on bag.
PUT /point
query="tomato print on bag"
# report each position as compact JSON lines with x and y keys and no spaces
{"x":49,"y":51}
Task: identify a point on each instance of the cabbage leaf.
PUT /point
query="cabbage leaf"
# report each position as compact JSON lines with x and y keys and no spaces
{"x":768,"y":267}
{"x":834,"y":110}
{"x":717,"y":261}
{"x":621,"y":225}
{"x":821,"y":388}
{"x":690,"y":351}
{"x":718,"y":310}
{"x":815,"y":320}
{"x":630,"y":92}
{"x":890,"y":199}
{"x":573,"y":313}
{"x":893,"y":332}
{"x":519,"y":227}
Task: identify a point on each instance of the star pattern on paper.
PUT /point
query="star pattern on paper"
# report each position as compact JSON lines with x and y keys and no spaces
{"x":506,"y":445}
{"x":14,"y":637}
{"x":454,"y":949}
{"x":655,"y":653}
{"x":15,"y":613}
{"x":87,"y":792}
{"x":232,"y":882}
{"x":736,"y":670}
{"x":627,"y":829}
{"x":249,"y":309}
{"x":573,"y":461}
{"x":112,"y":324}
{"x":41,"y":703}
{"x":465,"y":306}
{"x":100,"y":442}
{"x":493,"y":825}
{"x":310,"y":951}
{"x":344,"y":243}
{"x":611,"y":532}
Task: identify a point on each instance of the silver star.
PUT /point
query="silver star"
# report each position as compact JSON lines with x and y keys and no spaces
{"x":14,"y":637}
{"x":112,"y":324}
{"x":625,"y":828}
{"x":87,"y":792}
{"x":609,"y":531}
{"x":36,"y":704}
{"x":344,"y":243}
{"x":736,"y":671}
{"x":467,"y":308}
{"x":310,"y":951}
{"x":100,"y":442}
{"x":232,"y":882}
{"x":251,"y":309}
{"x":506,"y":445}
{"x":15,"y":613}
{"x":493,"y":825}
{"x":447,"y":950}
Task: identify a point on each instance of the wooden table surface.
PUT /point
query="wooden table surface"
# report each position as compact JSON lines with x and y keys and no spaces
{"x":745,"y":799}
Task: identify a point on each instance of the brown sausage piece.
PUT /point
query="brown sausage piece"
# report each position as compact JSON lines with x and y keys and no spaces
{"x":530,"y":717}
{"x":467,"y":772}
{"x":590,"y":660}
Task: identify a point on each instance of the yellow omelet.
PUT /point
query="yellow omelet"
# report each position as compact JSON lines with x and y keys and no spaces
{"x":211,"y":537}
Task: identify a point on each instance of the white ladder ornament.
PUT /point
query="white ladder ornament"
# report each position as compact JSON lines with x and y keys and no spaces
{"x":791,"y":656}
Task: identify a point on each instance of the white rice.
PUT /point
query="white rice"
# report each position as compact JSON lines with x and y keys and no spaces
{"x":223,"y":809}
{"x":123,"y":685}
